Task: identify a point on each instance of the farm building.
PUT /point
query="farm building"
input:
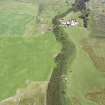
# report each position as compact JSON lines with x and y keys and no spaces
{"x":69,"y":23}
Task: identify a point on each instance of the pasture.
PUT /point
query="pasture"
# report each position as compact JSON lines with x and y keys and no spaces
{"x":83,"y":75}
{"x":23,"y":57}
{"x":28,"y":49}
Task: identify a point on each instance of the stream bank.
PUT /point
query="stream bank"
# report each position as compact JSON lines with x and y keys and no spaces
{"x":56,"y":94}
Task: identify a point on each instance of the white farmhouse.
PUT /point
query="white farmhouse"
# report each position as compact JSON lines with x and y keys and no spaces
{"x":69,"y":23}
{"x":74,"y":23}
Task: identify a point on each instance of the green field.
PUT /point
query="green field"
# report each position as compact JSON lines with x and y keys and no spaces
{"x":23,"y":57}
{"x":85,"y":77}
{"x":16,"y":17}
{"x":28,"y":48}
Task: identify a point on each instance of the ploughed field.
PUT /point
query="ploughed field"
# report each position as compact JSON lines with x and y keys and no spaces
{"x":25,"y":55}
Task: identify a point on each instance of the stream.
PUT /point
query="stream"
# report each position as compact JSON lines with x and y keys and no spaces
{"x":56,"y":94}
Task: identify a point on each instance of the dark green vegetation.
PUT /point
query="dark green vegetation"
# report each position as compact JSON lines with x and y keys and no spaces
{"x":81,"y":5}
{"x":56,"y":89}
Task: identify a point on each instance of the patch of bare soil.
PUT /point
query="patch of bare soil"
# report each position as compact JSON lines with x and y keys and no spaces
{"x":33,"y":94}
{"x":96,"y":50}
{"x":97,"y":96}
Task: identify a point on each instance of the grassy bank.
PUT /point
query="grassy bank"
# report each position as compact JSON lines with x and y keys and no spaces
{"x":56,"y":94}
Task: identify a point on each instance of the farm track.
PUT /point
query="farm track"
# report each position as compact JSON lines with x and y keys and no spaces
{"x":56,"y":94}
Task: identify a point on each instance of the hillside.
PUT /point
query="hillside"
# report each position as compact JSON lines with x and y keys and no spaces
{"x":44,"y":61}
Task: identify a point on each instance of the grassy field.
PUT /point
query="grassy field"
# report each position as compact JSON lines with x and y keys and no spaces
{"x":85,"y":77}
{"x":23,"y":57}
{"x":27,"y":51}
{"x":15,"y":17}
{"x":97,"y":19}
